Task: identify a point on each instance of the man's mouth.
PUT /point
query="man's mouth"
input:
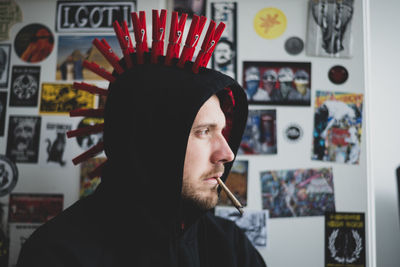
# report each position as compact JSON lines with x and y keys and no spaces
{"x":213,"y":178}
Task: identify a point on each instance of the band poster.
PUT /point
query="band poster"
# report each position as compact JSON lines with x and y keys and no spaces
{"x":301,"y":192}
{"x":237,"y":183}
{"x":224,"y":56}
{"x":24,"y":91}
{"x":337,"y":127}
{"x":344,"y":240}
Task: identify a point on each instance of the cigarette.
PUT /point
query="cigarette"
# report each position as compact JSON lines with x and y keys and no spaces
{"x":231,"y":196}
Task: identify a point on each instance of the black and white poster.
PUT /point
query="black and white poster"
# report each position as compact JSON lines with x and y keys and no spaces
{"x":24,"y":91}
{"x":23,"y":138}
{"x":89,"y":16}
{"x":329,"y":28}
{"x":5,"y":53}
{"x":224,"y":56}
{"x":3,"y":111}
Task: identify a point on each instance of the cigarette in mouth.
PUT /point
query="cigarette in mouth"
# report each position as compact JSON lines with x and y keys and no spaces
{"x":231,"y":196}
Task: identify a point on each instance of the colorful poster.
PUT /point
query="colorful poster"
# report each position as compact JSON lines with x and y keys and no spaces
{"x":237,"y":184}
{"x":301,"y":192}
{"x":259,"y":136}
{"x":224,"y":56}
{"x":277,"y":83}
{"x":73,"y":50}
{"x":88,"y":185}
{"x":3,"y":111}
{"x":25,"y":83}
{"x":253,"y":223}
{"x":54,"y":148}
{"x":91,"y":16}
{"x":57,"y":98}
{"x":5,"y":54}
{"x":23,"y":138}
{"x":329,"y":28}
{"x":344,"y":240}
{"x":190,"y":7}
{"x":34,"y":43}
{"x":337,"y":127}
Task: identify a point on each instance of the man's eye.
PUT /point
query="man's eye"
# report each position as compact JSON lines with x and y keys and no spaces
{"x":203,"y":132}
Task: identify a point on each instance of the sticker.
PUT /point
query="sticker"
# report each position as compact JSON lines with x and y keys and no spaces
{"x":24,"y":86}
{"x":80,"y":16}
{"x":23,"y":138}
{"x":5,"y":54}
{"x":8,"y":175}
{"x":294,"y":45}
{"x":224,"y":56}
{"x":57,"y":98}
{"x":10,"y":15}
{"x":337,"y":127}
{"x":338,"y":74}
{"x":293,"y":133}
{"x":270,"y":23}
{"x":344,"y":239}
{"x":34,"y":43}
{"x":277,"y":83}
{"x":298,"y":192}
{"x":3,"y":111}
{"x":329,"y":28}
{"x":237,"y":183}
{"x":87,"y":141}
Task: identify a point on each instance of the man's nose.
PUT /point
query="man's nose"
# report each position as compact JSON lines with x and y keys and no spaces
{"x":223,"y":152}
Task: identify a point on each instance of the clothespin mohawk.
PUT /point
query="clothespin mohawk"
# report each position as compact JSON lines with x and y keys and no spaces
{"x":135,"y":56}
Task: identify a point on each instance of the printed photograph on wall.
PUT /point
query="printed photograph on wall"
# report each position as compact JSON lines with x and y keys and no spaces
{"x":237,"y":183}
{"x":59,"y":98}
{"x":344,"y":239}
{"x":73,"y":50}
{"x":224,"y":57}
{"x":55,"y":148}
{"x":337,"y":127}
{"x":23,"y":138}
{"x":24,"y":91}
{"x":329,"y":31}
{"x":3,"y":111}
{"x":277,"y":83}
{"x":253,"y":222}
{"x":259,"y":136}
{"x":89,"y":184}
{"x":294,"y":193}
{"x":190,"y":7}
{"x":34,"y":43}
{"x":5,"y":54}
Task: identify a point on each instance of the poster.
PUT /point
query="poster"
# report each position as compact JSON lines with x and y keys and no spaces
{"x":253,"y":223}
{"x":337,"y":127}
{"x":190,"y":7}
{"x":3,"y":111}
{"x":259,"y":136}
{"x":10,"y":14}
{"x":301,"y":192}
{"x":237,"y":184}
{"x":87,"y":141}
{"x":277,"y":83}
{"x":87,"y":184}
{"x":59,"y":98}
{"x":5,"y":54}
{"x":224,"y":57}
{"x":55,"y":148}
{"x":329,"y":28}
{"x":24,"y":91}
{"x":344,"y":240}
{"x":73,"y":50}
{"x":23,"y":138}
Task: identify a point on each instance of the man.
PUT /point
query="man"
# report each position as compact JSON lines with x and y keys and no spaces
{"x":223,"y":56}
{"x":269,"y":85}
{"x":301,"y":82}
{"x":167,"y":139}
{"x":285,"y":77}
{"x":252,"y":79}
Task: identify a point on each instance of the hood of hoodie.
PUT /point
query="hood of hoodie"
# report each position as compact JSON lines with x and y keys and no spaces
{"x":149,"y":113}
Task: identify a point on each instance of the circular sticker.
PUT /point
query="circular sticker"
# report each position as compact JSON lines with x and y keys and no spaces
{"x":34,"y":43}
{"x":338,"y":74}
{"x":87,"y":141}
{"x":270,"y":23}
{"x":293,"y":132}
{"x":294,"y":45}
{"x":8,"y":175}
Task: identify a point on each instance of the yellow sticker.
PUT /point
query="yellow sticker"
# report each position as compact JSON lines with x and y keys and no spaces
{"x":270,"y":23}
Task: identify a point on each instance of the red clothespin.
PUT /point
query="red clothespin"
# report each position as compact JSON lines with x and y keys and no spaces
{"x":125,"y":42}
{"x":86,"y":130}
{"x":97,"y":171}
{"x":90,"y":88}
{"x":192,"y":39}
{"x":87,"y":112}
{"x":207,"y":48}
{"x":157,"y":47}
{"x":109,"y":54}
{"x":93,"y":151}
{"x":139,"y":27}
{"x":98,"y":70}
{"x":175,"y":36}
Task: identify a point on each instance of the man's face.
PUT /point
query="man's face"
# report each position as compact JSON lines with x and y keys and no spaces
{"x":222,"y":53}
{"x":206,"y":153}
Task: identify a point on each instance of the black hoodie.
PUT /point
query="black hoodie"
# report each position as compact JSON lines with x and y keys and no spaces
{"x":136,"y":215}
